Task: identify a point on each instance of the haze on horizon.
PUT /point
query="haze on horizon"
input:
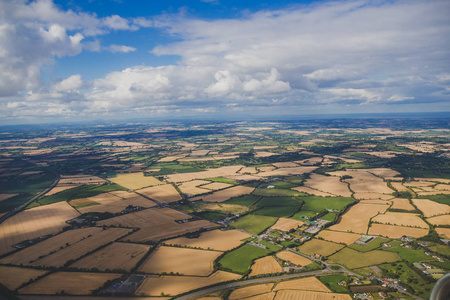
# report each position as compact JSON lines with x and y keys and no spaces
{"x":110,"y":59}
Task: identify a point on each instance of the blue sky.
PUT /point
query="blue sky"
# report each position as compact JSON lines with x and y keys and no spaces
{"x":117,"y":59}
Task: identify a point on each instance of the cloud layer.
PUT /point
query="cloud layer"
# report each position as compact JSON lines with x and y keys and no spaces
{"x":339,"y":54}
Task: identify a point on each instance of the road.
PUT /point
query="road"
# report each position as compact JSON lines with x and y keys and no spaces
{"x":21,"y":207}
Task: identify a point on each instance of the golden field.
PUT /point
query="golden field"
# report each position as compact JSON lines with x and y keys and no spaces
{"x":265,"y":265}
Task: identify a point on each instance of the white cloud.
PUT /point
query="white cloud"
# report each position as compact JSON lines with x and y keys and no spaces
{"x":121,"y":48}
{"x":72,"y":83}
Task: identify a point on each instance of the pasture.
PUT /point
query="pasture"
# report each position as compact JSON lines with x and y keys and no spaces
{"x":323,"y":248}
{"x":265,"y":265}
{"x":353,"y":259}
{"x":240,"y":259}
{"x":254,"y":224}
{"x":318,"y":204}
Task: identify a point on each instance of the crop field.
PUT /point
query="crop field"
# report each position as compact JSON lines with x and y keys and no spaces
{"x":135,"y":181}
{"x":323,"y":248}
{"x":384,"y":172}
{"x":53,"y":244}
{"x":363,"y":181}
{"x":402,"y":203}
{"x":372,"y":245}
{"x":357,"y":218}
{"x":310,"y":191}
{"x":192,"y":187}
{"x":211,"y":173}
{"x":339,"y":237}
{"x":244,"y":200}
{"x":222,"y":207}
{"x":174,"y":285}
{"x":443,"y":232}
{"x":162,"y":193}
{"x":240,"y":259}
{"x":285,"y":224}
{"x":265,"y":265}
{"x":293,"y":258}
{"x":133,"y":199}
{"x":216,"y":186}
{"x":431,"y":208}
{"x":354,"y":259}
{"x":288,"y":171}
{"x":328,"y":184}
{"x":400,"y":219}
{"x":399,"y":186}
{"x":318,"y":204}
{"x":184,"y":261}
{"x":13,"y":277}
{"x":117,"y":256}
{"x":248,"y":170}
{"x":287,"y":164}
{"x":276,"y":192}
{"x":80,"y":248}
{"x":440,"y":220}
{"x":250,"y":291}
{"x":73,"y":283}
{"x":254,"y":224}
{"x":372,"y":196}
{"x":110,"y":202}
{"x":307,"y":295}
{"x":224,"y":195}
{"x":304,"y":284}
{"x":396,"y":232}
{"x":221,"y":240}
{"x":33,"y":223}
{"x":156,"y":224}
{"x":172,"y":158}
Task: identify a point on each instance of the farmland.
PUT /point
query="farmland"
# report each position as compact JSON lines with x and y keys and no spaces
{"x":254,"y":224}
{"x":240,"y":259}
{"x":134,"y":181}
{"x":293,"y":258}
{"x":223,"y":195}
{"x":323,"y":248}
{"x":250,"y":291}
{"x":265,"y":265}
{"x":357,"y":218}
{"x":354,"y":259}
{"x":304,"y":284}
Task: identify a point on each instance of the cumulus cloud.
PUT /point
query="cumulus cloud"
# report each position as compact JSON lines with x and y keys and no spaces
{"x":72,"y":83}
{"x":121,"y":48}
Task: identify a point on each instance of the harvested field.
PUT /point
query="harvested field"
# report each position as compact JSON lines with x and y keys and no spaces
{"x":399,"y":186}
{"x":339,"y":237}
{"x":353,"y":259}
{"x":375,"y":202}
{"x":250,"y":291}
{"x":156,"y":224}
{"x":223,"y":207}
{"x":401,"y":219}
{"x":443,"y":180}
{"x":419,"y":183}
{"x":80,"y":248}
{"x":372,"y":196}
{"x":172,"y":158}
{"x":223,"y":195}
{"x":34,"y":297}
{"x":117,"y":256}
{"x":162,"y":193}
{"x":306,"y":295}
{"x":328,"y":184}
{"x":6,"y":196}
{"x":192,"y":187}
{"x":433,"y":193}
{"x":384,"y":172}
{"x":210,"y":173}
{"x":264,"y":154}
{"x":216,"y":186}
{"x":265,"y":265}
{"x":174,"y":285}
{"x":112,"y":202}
{"x":304,"y":284}
{"x":396,"y":232}
{"x":79,"y":180}
{"x":248,"y":170}
{"x":293,"y":258}
{"x":133,"y":199}
{"x":443,"y":232}
{"x":287,"y":164}
{"x":285,"y":224}
{"x":363,"y":181}
{"x":357,"y":218}
{"x":58,"y":189}
{"x":288,"y":171}
{"x":402,"y":203}
{"x":53,"y":244}
{"x":310,"y":161}
{"x":431,"y":208}
{"x":33,"y":223}
{"x":323,"y":248}
{"x":73,"y":283}
{"x":440,"y":220}
{"x":266,"y":169}
{"x":12,"y":277}
{"x":216,"y":240}
{"x":184,"y":261}
{"x":135,"y":181}
{"x":307,"y":190}
{"x":199,"y":152}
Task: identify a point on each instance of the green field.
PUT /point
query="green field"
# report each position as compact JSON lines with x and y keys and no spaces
{"x":410,"y":255}
{"x":330,"y":217}
{"x":276,"y":192}
{"x":318,"y":204}
{"x":240,"y":259}
{"x":441,"y":249}
{"x":332,"y":283}
{"x":243,"y":200}
{"x":280,"y":184}
{"x":211,"y":215}
{"x":353,"y":259}
{"x":221,"y":179}
{"x":302,"y":213}
{"x":444,"y":199}
{"x":277,"y":211}
{"x":372,"y":245}
{"x":254,"y":224}
{"x":279,"y":201}
{"x":324,"y":248}
{"x":277,"y":206}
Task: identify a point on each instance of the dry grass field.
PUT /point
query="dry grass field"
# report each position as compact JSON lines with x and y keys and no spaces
{"x":162,"y":193}
{"x":399,"y":186}
{"x":117,"y":256}
{"x":288,"y":171}
{"x":184,"y":261}
{"x":53,"y":244}
{"x":80,"y":248}
{"x":440,"y":220}
{"x":396,"y":232}
{"x":400,"y":219}
{"x":215,"y":239}
{"x":328,"y":184}
{"x":353,"y":259}
{"x":33,"y":223}
{"x":211,"y":173}
{"x":223,"y":195}
{"x":339,"y":237}
{"x":250,"y":291}
{"x":323,"y":248}
{"x":401,"y":203}
{"x":156,"y":224}
{"x":357,"y":218}
{"x":73,"y":283}
{"x":286,"y":224}
{"x":293,"y":258}
{"x":174,"y":285}
{"x":265,"y":265}
{"x":306,"y":295}
{"x":304,"y":284}
{"x":431,"y":208}
{"x":13,"y":277}
{"x":192,"y":187}
{"x":135,"y":181}
{"x":443,"y":232}
{"x":308,"y":190}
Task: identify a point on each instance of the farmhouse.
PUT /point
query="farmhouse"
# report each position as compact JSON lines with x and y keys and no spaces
{"x":364,"y":240}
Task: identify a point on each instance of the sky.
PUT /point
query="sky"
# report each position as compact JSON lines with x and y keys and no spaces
{"x":77,"y":60}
